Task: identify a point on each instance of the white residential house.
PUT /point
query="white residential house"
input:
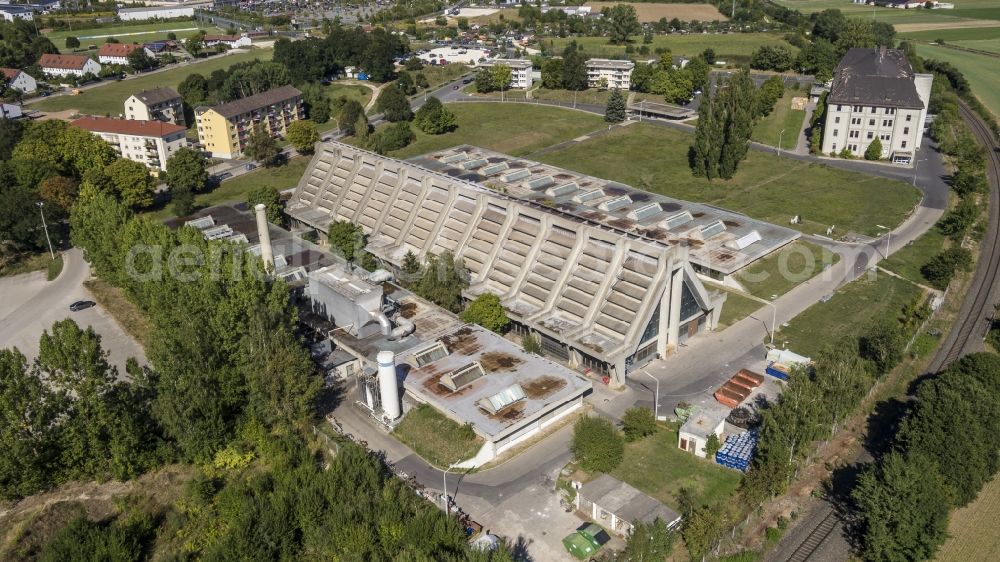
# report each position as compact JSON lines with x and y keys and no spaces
{"x":876,"y":95}
{"x":13,"y":13}
{"x":609,"y":73}
{"x":148,"y":142}
{"x":159,"y":104}
{"x":68,"y":65}
{"x":520,"y":71}
{"x":10,"y":111}
{"x":117,"y":53}
{"x":231,"y":41}
{"x":19,"y":80}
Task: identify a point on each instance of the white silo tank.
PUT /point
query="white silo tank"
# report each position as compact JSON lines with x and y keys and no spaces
{"x":387,"y":384}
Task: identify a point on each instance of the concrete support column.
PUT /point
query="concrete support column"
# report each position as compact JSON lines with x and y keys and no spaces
{"x":674,"y":322}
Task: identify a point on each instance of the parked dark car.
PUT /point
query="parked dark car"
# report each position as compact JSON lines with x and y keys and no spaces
{"x":81,"y":305}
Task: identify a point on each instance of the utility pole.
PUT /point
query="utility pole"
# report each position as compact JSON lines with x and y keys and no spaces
{"x":46,"y":227}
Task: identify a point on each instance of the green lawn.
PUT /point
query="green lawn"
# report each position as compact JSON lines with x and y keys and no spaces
{"x":590,"y":96}
{"x":958,"y":34}
{"x":656,"y":466}
{"x":768,"y":130}
{"x":363,"y":94}
{"x":729,"y":45}
{"x":26,"y":263}
{"x":990,"y":45}
{"x":108,"y":98}
{"x":851,"y":309}
{"x":785,"y":269}
{"x":736,"y":308}
{"x":127,"y":33}
{"x":282,"y":177}
{"x":908,"y":261}
{"x":439,"y":440}
{"x":438,"y":75}
{"x":515,"y":129}
{"x":965,"y":9}
{"x":766,"y":187}
{"x":982,"y":72}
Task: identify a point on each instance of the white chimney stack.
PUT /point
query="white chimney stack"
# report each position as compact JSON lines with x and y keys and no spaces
{"x":266,"y":253}
{"x":388,"y":385}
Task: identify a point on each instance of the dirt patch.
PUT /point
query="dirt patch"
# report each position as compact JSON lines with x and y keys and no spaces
{"x":408,"y":309}
{"x":511,"y":413}
{"x":650,"y":12}
{"x":496,"y":361}
{"x":543,"y":386}
{"x":624,"y":224}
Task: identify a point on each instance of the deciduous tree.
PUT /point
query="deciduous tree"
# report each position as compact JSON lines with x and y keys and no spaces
{"x":303,"y":136}
{"x":597,"y":445}
{"x":486,"y":311}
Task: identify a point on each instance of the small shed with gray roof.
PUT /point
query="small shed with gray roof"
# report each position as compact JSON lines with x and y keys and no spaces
{"x":617,"y":505}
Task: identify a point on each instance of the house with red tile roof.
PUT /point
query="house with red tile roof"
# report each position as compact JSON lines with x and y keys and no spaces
{"x":147,"y":142}
{"x":18,"y":80}
{"x":68,"y":65}
{"x":117,"y":53}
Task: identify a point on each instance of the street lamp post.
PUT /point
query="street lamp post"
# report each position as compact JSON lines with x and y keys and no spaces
{"x":888,"y":238}
{"x":779,"y":140}
{"x":656,"y":399}
{"x":444,"y":479}
{"x":41,"y":211}
{"x":774,"y":319}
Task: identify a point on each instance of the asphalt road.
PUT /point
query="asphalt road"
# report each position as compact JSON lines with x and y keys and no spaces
{"x":31,"y":304}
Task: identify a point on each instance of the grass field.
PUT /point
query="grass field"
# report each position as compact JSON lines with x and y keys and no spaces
{"x":124,"y":311}
{"x":363,"y":94}
{"x":736,"y":308}
{"x":963,"y":9}
{"x":851,"y":309}
{"x":108,"y":98}
{"x":592,"y":96}
{"x":766,"y":186}
{"x":515,"y":129}
{"x":970,"y":537}
{"x":128,"y":33}
{"x":728,"y":45}
{"x":768,"y":129}
{"x":437,"y":439}
{"x":785,"y":269}
{"x":27,"y":263}
{"x":653,"y":11}
{"x":991,"y":45}
{"x":908,"y":261}
{"x":282,"y":177}
{"x":966,"y":34}
{"x":982,"y":72}
{"x":438,"y":75}
{"x":656,"y":466}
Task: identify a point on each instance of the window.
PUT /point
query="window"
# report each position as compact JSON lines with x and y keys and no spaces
{"x":855,"y":120}
{"x":871,"y":122}
{"x":836,"y":132}
{"x":887,"y":122}
{"x":836,"y":120}
{"x":871,"y":135}
{"x":903,"y":145}
{"x":858,"y":108}
{"x":906,"y":130}
{"x":890,"y":111}
{"x":853,"y":134}
{"x":909,"y":117}
{"x":884,"y":137}
{"x":840,"y":107}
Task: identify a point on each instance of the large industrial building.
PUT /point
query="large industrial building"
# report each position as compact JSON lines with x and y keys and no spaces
{"x":876,"y":95}
{"x":604,"y":274}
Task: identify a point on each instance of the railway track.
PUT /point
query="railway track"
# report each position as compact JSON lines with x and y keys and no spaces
{"x":974,"y":315}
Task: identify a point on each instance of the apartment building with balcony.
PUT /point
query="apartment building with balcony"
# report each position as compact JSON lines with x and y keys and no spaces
{"x":876,"y":95}
{"x":520,"y":71}
{"x":224,"y":130}
{"x":159,"y":104}
{"x":148,"y":142}
{"x":607,"y":73}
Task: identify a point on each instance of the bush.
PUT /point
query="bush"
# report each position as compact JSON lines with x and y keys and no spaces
{"x":874,"y":150}
{"x":597,"y":445}
{"x":941,"y":268}
{"x":883,"y":344}
{"x":394,"y":137}
{"x":486,"y":311}
{"x":638,"y":422}
{"x":532,"y":344}
{"x":434,"y":118}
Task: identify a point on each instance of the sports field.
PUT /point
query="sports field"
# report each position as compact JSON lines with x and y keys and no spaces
{"x":653,"y":11}
{"x":971,"y":537}
{"x":725,"y":44}
{"x":127,"y":33}
{"x":766,"y":186}
{"x":108,"y":98}
{"x":982,"y":71}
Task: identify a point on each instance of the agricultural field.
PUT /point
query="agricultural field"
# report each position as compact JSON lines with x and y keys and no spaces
{"x":651,"y":11}
{"x":959,"y":35}
{"x":984,"y":9}
{"x":766,"y":187}
{"x":127,"y":33}
{"x":968,"y":539}
{"x":726,"y":45}
{"x":768,"y":130}
{"x":109,"y":97}
{"x":515,"y":129}
{"x":852,"y":308}
{"x":982,"y":71}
